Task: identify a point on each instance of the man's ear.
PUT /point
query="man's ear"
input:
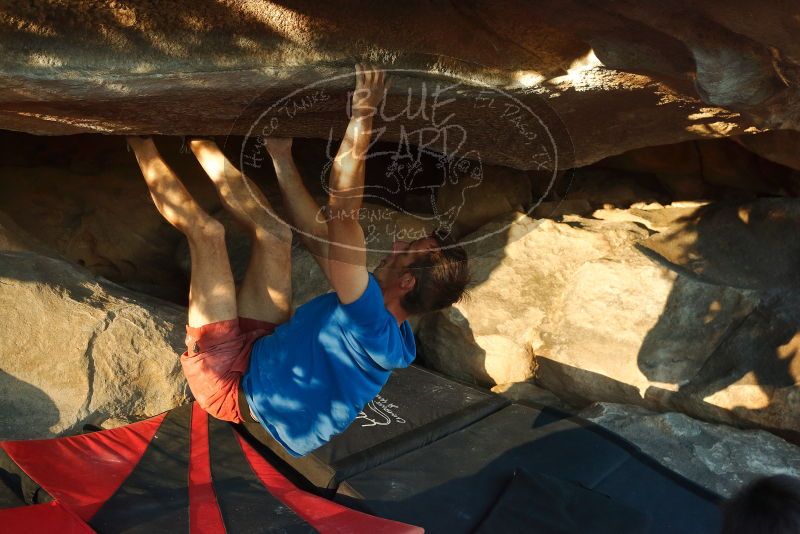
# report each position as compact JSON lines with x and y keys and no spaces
{"x":407,"y":281}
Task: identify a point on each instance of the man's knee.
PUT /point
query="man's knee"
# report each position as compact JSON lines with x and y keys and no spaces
{"x":276,"y":233}
{"x":207,"y":231}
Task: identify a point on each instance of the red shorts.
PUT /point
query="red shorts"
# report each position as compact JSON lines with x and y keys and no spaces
{"x":216,"y":358}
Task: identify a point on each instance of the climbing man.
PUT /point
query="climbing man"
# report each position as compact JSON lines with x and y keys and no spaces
{"x":303,"y":377}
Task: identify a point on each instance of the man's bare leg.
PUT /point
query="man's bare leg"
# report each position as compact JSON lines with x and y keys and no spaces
{"x":266,"y":290}
{"x":212,"y":293}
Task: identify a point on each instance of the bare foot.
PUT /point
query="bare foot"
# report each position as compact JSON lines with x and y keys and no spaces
{"x":137,"y":141}
{"x":239,"y":195}
{"x":278,"y":146}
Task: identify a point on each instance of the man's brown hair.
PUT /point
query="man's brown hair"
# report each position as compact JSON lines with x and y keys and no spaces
{"x":442,"y":276}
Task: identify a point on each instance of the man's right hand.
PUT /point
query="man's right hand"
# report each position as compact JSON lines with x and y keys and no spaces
{"x":372,"y":84}
{"x":278,"y":146}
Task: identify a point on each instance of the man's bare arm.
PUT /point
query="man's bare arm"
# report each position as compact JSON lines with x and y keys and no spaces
{"x":304,"y":211}
{"x":347,"y":251}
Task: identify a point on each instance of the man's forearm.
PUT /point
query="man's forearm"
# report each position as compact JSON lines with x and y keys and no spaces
{"x":347,"y":173}
{"x":304,"y":211}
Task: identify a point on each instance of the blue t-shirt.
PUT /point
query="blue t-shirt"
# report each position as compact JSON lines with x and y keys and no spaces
{"x":309,"y":379}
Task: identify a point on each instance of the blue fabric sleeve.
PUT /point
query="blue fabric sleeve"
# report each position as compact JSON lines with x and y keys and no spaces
{"x":368,"y":309}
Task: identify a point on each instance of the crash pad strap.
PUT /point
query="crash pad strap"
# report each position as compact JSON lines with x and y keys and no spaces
{"x":204,"y":513}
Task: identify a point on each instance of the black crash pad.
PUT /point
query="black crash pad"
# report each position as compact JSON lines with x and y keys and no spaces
{"x":535,"y":502}
{"x":414,"y":408}
{"x":452,"y":485}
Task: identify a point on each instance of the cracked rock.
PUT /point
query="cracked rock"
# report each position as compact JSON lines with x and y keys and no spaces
{"x":76,"y":349}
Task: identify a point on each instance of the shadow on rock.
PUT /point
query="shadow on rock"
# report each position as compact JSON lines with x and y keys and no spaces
{"x":25,"y":410}
{"x":749,"y":374}
{"x":748,"y":245}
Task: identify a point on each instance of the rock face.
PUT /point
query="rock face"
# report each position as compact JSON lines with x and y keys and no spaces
{"x":780,"y":146}
{"x":75,"y":349}
{"x":739,"y":244}
{"x":502,"y":190}
{"x":84,"y":197}
{"x":520,"y":272}
{"x":580,"y":307}
{"x":718,"y":457}
{"x":717,"y":168}
{"x":15,"y":239}
{"x":668,"y":72}
{"x":676,"y":309}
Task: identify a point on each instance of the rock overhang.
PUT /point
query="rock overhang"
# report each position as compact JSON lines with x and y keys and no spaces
{"x":616,"y":77}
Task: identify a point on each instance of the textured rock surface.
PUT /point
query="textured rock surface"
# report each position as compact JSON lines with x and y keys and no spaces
{"x":75,"y":349}
{"x":669,"y":71}
{"x":739,"y":244}
{"x":502,"y":190}
{"x":780,"y":146}
{"x":15,"y":239}
{"x":718,"y":168}
{"x":580,"y":307}
{"x":717,"y":457}
{"x":520,"y":271}
{"x":85,"y":198}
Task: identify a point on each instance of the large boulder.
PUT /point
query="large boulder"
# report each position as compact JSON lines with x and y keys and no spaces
{"x":739,"y":244}
{"x":520,"y":267}
{"x":78,"y":349}
{"x":718,"y":457}
{"x":669,"y":71}
{"x":582,"y":308}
